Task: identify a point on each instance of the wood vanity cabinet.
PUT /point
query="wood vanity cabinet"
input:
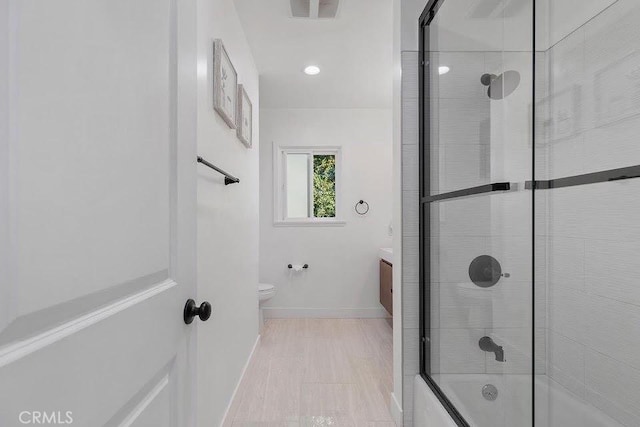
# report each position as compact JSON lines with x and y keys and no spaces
{"x":386,"y":286}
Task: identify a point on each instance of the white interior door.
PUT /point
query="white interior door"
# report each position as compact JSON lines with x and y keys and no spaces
{"x":97,"y":212}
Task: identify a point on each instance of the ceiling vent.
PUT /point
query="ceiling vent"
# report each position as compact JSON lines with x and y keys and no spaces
{"x":314,"y":9}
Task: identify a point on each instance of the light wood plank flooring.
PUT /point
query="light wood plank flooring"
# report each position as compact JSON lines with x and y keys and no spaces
{"x":318,"y":372}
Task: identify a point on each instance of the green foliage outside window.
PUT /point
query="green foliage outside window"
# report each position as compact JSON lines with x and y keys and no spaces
{"x":324,"y":186}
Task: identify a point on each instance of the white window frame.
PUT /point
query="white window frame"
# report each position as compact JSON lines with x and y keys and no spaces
{"x":280,"y":185}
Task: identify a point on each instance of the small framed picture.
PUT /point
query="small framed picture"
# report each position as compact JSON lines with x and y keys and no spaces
{"x":244,"y":116}
{"x":225,"y":80}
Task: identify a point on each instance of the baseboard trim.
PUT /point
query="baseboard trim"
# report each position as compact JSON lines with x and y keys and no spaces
{"x":244,"y":371}
{"x":325,"y":313}
{"x":396,"y":411}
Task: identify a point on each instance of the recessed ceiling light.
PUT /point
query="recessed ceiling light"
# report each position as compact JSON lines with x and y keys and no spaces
{"x":443,"y":69}
{"x":312,"y":70}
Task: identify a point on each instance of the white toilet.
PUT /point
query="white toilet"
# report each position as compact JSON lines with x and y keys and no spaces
{"x":265,"y":293}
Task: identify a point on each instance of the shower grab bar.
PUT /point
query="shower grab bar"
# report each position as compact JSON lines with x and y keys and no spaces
{"x":228,"y":178}
{"x":587,"y":178}
{"x":488,"y":188}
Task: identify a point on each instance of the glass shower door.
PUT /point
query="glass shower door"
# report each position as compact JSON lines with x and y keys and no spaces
{"x":476,"y":212}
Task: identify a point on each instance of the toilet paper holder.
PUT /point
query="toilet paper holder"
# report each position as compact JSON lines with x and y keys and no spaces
{"x":304,"y":266}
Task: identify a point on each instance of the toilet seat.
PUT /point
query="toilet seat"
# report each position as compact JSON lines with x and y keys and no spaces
{"x":265,"y":288}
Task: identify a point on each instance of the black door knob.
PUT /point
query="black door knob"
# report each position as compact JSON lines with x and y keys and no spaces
{"x":191,"y":310}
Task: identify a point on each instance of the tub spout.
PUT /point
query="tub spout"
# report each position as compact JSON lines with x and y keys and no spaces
{"x":487,"y":344}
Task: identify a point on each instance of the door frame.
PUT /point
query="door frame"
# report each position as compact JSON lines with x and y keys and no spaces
{"x":184,"y":192}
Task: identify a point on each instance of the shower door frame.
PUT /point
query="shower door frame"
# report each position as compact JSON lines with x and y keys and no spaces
{"x":424,"y":157}
{"x":425,"y":199}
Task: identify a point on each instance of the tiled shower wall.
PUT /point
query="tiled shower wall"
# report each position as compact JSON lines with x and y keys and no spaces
{"x":592,"y":123}
{"x":410,"y":246}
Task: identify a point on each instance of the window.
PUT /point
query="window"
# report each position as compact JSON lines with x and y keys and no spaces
{"x":307,"y":185}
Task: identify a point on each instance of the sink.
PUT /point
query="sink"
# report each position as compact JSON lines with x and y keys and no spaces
{"x":386,"y":254}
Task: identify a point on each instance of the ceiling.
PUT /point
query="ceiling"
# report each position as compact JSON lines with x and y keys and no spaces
{"x":353,"y":51}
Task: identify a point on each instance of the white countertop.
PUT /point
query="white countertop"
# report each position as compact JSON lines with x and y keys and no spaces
{"x":386,"y":254}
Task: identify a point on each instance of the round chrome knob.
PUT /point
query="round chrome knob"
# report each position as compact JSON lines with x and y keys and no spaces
{"x":191,"y":310}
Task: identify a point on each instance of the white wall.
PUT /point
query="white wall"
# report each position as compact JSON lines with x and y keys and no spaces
{"x":343,"y":278}
{"x":5,"y":318}
{"x":396,"y":397}
{"x":227,"y":220}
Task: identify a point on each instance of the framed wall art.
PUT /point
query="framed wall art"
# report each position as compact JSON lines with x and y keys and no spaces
{"x":225,"y":80}
{"x":244,"y":117}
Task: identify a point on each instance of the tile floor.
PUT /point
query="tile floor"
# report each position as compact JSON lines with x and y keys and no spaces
{"x":318,"y":372}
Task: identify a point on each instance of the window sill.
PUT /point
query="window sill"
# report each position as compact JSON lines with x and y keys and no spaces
{"x":310,"y":223}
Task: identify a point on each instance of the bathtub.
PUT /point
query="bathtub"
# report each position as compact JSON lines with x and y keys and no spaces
{"x":554,"y":405}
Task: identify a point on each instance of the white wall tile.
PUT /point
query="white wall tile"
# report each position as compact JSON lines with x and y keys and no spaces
{"x":567,"y":62}
{"x":611,"y":55}
{"x":566,"y":208}
{"x":460,"y":352}
{"x":410,"y":231}
{"x":612,"y":329}
{"x":610,"y":210}
{"x":407,"y":400}
{"x":411,"y":350}
{"x":435,"y":306}
{"x":613,"y":35}
{"x":462,"y":166}
{"x":568,"y":310}
{"x":505,"y":305}
{"x":612,"y":270}
{"x":410,"y":255}
{"x":541,"y":279}
{"x":410,"y":213}
{"x":464,"y":121}
{"x":542,"y":74}
{"x":591,"y":124}
{"x":410,"y":125}
{"x":564,"y":17}
{"x":567,"y":156}
{"x":565,"y":362}
{"x":603,"y":211}
{"x":469,"y":216}
{"x":613,"y":146}
{"x":566,"y":262}
{"x":463,"y":79}
{"x":410,"y":175}
{"x":613,"y":387}
{"x":434,"y":351}
{"x":409,"y":75}
{"x":411,"y":305}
